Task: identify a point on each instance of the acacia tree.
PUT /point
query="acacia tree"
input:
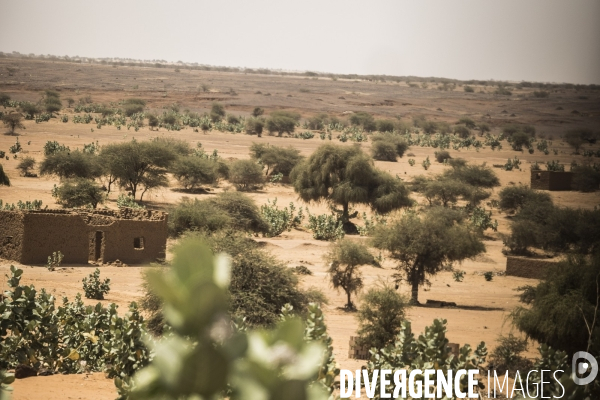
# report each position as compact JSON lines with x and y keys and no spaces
{"x":345,"y":258}
{"x":52,"y":101}
{"x":13,"y":121}
{"x":574,"y":139}
{"x":424,"y":245}
{"x":79,"y":192}
{"x":278,"y":160}
{"x":344,"y":175}
{"x":71,"y":164}
{"x":136,"y":165}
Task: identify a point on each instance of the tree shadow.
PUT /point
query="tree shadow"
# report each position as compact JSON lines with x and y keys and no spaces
{"x":455,"y":306}
{"x":192,"y":191}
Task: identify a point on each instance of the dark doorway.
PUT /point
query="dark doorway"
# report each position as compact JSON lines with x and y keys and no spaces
{"x":98,"y":241}
{"x":138,"y":243}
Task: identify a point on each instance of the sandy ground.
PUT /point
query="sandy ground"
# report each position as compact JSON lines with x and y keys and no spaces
{"x":483,"y":306}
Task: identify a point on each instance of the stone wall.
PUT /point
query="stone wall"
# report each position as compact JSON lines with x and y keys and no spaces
{"x":527,"y":267}
{"x":131,"y":236}
{"x":551,"y":180}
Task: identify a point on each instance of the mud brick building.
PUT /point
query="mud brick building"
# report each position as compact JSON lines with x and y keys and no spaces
{"x":551,"y":180}
{"x":129,"y":235}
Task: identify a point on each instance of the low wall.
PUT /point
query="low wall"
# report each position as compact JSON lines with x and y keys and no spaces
{"x":551,"y":180}
{"x":527,"y":267}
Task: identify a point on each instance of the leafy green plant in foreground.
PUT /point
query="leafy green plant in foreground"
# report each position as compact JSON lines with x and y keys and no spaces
{"x":204,"y":357}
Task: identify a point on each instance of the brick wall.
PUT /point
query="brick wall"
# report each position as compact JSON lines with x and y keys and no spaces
{"x":131,"y":236}
{"x":527,"y":267}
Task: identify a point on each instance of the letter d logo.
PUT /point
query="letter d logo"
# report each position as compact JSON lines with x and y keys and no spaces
{"x":583,"y":367}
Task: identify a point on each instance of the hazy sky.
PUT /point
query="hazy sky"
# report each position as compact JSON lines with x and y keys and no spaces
{"x":536,"y":40}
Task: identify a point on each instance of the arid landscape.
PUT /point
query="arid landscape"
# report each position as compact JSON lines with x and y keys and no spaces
{"x":482,"y":307}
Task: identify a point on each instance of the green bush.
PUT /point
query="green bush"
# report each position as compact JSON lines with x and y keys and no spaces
{"x":555,"y":166}
{"x":380,"y":316}
{"x":508,"y":355}
{"x":94,"y":288}
{"x":386,"y":125}
{"x":12,"y":121}
{"x":468,"y":122}
{"x":443,"y":191}
{"x":260,"y":285}
{"x":483,"y":128}
{"x":410,"y":351}
{"x":520,"y":140}
{"x":228,"y":210}
{"x":52,"y":101}
{"x":192,"y":172}
{"x":561,"y":229}
{"x":53,"y":147}
{"x":79,"y":192}
{"x":567,"y":296}
{"x":153,"y":121}
{"x":29,"y":109}
{"x":325,"y":227}
{"x":386,"y":143}
{"x":280,"y":220}
{"x":462,"y":131}
{"x":363,"y":119}
{"x":200,"y":282}
{"x":468,"y":89}
{"x":257,"y":112}
{"x":577,"y":137}
{"x":503,"y":91}
{"x":246,"y":175}
{"x":54,"y":260}
{"x":71,"y":164}
{"x":475,"y":175}
{"x":127,"y":201}
{"x":442,"y":155}
{"x":4,"y":99}
{"x":198,"y":215}
{"x":426,"y":163}
{"x":317,"y":122}
{"x":232,"y":119}
{"x":26,"y":165}
{"x":133,"y":106}
{"x":458,"y":275}
{"x":278,"y":160}
{"x":68,"y":338}
{"x":217,"y":112}
{"x":281,"y":123}
{"x":586,"y":178}
{"x":254,"y":126}
{"x":244,"y":214}
{"x":384,"y":151}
